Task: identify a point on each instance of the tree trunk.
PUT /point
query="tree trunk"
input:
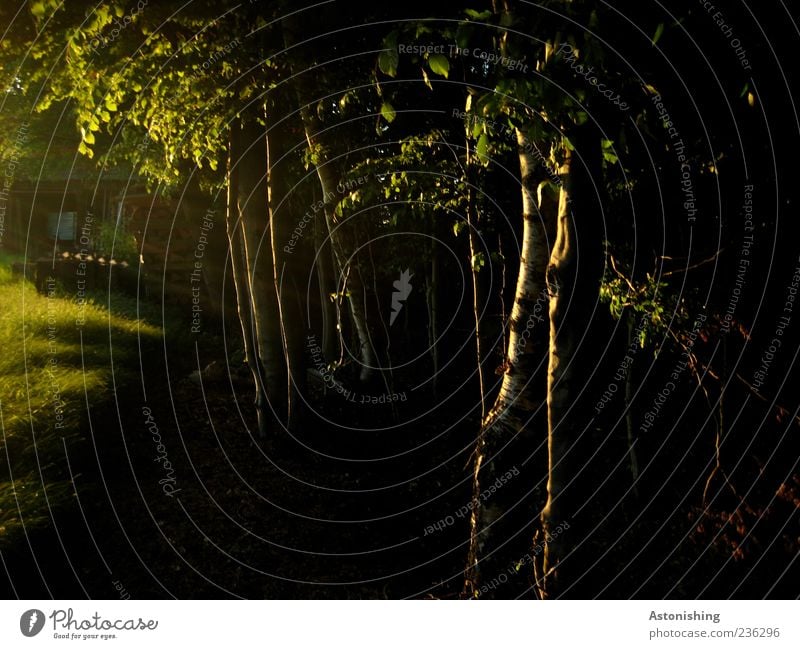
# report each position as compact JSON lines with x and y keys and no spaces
{"x":331,"y":326}
{"x":633,"y":462}
{"x":472,"y":230}
{"x":252,"y":206}
{"x":432,"y":295}
{"x":241,"y":280}
{"x":573,"y":279}
{"x":341,"y":232}
{"x":508,"y":435}
{"x":290,"y":269}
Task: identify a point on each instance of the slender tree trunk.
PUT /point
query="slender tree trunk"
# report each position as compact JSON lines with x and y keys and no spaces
{"x":512,"y":422}
{"x":253,"y":211}
{"x":573,"y":278}
{"x":342,"y":232}
{"x":241,"y":280}
{"x":629,"y":428}
{"x":290,"y":269}
{"x":433,"y":314}
{"x":472,"y":229}
{"x":349,"y":278}
{"x":325,"y":278}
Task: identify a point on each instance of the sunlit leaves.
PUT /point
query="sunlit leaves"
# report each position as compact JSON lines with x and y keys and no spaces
{"x":608,"y":151}
{"x":388,"y":61}
{"x":43,"y":8}
{"x":482,"y":148}
{"x":478,"y":15}
{"x":388,"y":112}
{"x":439,"y":64}
{"x":84,"y":150}
{"x":659,"y":32}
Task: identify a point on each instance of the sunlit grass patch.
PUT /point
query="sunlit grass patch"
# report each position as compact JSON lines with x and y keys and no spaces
{"x":55,"y":357}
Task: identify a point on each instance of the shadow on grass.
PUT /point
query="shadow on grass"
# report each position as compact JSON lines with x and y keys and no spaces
{"x":57,"y":357}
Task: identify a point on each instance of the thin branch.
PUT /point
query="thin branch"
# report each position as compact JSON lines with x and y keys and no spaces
{"x":697,"y":265}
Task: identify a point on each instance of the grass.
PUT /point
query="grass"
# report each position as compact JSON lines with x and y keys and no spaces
{"x":50,"y":368}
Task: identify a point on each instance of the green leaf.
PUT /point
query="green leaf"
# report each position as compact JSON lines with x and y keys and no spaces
{"x":659,"y":31}
{"x":439,"y":64}
{"x":85,"y":150}
{"x":387,"y":62}
{"x":610,"y":157}
{"x":477,"y":128}
{"x":388,"y":112}
{"x":478,"y":15}
{"x":482,"y":148}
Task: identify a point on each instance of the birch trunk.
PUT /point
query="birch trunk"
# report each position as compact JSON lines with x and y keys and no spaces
{"x":508,"y":432}
{"x":253,"y":211}
{"x":573,"y":276}
{"x":342,"y":232}
{"x":290,"y":269}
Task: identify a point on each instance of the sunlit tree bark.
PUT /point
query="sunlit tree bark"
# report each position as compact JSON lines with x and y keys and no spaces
{"x":256,"y":273}
{"x":573,"y":278}
{"x":520,"y":402}
{"x":290,"y":269}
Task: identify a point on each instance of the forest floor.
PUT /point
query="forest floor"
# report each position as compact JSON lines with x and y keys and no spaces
{"x":243,"y":521}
